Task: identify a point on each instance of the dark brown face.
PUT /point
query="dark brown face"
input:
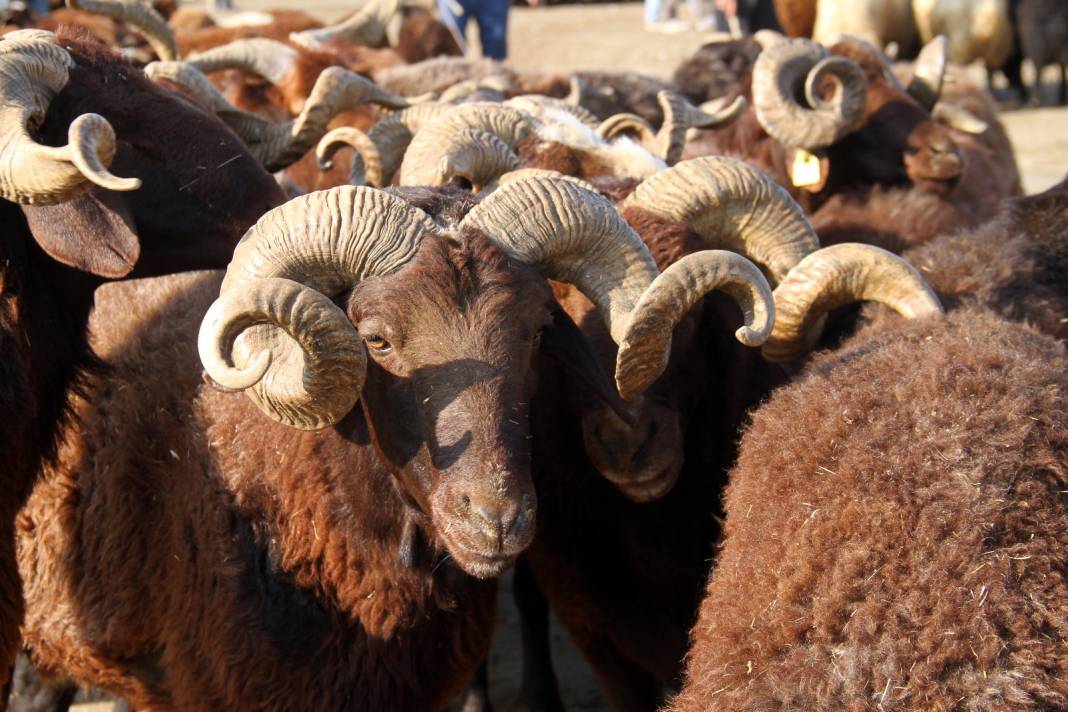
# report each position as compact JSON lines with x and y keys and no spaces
{"x":201,"y":189}
{"x":452,"y":338}
{"x":898,"y":140}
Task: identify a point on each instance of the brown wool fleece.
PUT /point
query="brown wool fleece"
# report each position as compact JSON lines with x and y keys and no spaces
{"x":897,"y":533}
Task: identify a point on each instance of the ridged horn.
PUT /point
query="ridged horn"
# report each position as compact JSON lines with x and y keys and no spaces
{"x":32,"y":71}
{"x":732,"y":206}
{"x":275,"y":332}
{"x":447,"y":135}
{"x":366,"y":166}
{"x":621,"y":124}
{"x":574,"y":235}
{"x":929,"y":72}
{"x":680,"y":115}
{"x":482,"y":160}
{"x":643,"y":352}
{"x":798,"y":67}
{"x":836,"y":276}
{"x":958,"y":118}
{"x":277,"y":145}
{"x":393,"y":134}
{"x":367,"y":26}
{"x":264,"y":57}
{"x":139,"y":14}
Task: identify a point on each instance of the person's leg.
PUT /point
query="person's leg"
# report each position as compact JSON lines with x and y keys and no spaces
{"x":453,"y":15}
{"x":492,"y":17}
{"x":653,"y":11}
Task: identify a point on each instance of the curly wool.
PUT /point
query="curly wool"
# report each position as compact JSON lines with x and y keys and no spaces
{"x":896,"y":535}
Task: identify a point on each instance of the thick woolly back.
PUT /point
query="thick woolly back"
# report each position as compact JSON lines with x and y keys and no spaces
{"x":248,"y":563}
{"x":896,"y":531}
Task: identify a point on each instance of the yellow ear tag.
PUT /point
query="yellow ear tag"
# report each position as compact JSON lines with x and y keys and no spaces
{"x":807,"y":170}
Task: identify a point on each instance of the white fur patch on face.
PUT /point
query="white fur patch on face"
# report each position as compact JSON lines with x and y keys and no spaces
{"x":625,"y":157}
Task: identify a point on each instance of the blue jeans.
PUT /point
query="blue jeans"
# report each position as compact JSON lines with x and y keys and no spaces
{"x":492,"y":19}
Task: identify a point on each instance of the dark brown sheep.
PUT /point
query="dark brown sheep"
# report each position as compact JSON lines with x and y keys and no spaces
{"x":199,"y":190}
{"x":326,"y":568}
{"x":1015,"y":265}
{"x":896,"y":531}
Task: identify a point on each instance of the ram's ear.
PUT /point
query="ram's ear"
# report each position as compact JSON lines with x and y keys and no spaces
{"x":93,"y":232}
{"x":565,"y":343}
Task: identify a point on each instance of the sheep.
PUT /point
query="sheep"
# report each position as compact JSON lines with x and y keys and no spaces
{"x":796,"y":17}
{"x":717,"y":69}
{"x":906,"y":547}
{"x":876,"y":133}
{"x":1015,"y":265}
{"x":976,"y":29}
{"x":65,"y":239}
{"x":1042,"y":30}
{"x":880,"y":22}
{"x":625,"y":528}
{"x":333,"y":578}
{"x":958,"y":153}
{"x":278,"y":145}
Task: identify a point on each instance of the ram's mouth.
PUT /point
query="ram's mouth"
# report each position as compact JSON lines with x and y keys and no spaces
{"x":480,"y":563}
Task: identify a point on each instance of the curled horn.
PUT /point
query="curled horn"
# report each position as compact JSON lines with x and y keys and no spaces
{"x":620,"y":124}
{"x":958,"y":118}
{"x":367,"y":26}
{"x":573,"y":235}
{"x":139,"y":14}
{"x":929,"y":72}
{"x":836,"y":276}
{"x":393,"y":134}
{"x":680,"y":115}
{"x":32,"y":71}
{"x":448,"y":135}
{"x":732,"y":206}
{"x":643,"y":351}
{"x":485,"y":158}
{"x":366,"y":166}
{"x":782,"y":71}
{"x":264,"y":57}
{"x":275,"y":332}
{"x":277,"y":145}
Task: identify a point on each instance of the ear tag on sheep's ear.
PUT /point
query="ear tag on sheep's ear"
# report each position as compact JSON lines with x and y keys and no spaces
{"x":808,"y":171}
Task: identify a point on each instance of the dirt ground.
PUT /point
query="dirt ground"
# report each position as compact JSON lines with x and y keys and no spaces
{"x":611,"y":36}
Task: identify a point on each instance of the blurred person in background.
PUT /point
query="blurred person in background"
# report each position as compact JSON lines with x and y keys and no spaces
{"x":661,"y":16}
{"x":491,"y":17}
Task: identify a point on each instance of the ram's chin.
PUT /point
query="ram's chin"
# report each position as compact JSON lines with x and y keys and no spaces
{"x":481,"y":565}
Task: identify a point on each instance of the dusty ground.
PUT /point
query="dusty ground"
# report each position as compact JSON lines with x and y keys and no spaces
{"x":612,"y":37}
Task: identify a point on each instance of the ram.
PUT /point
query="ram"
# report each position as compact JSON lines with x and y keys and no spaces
{"x":198,"y":189}
{"x":321,"y":569}
{"x":905,"y":548}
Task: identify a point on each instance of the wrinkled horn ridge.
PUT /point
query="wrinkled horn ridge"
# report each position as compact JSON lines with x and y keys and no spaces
{"x":644,"y":350}
{"x":139,"y":14}
{"x":446,"y":135}
{"x":267,"y":58}
{"x":367,"y":26}
{"x":680,"y":115}
{"x":733,"y":206}
{"x":32,"y":71}
{"x":574,"y":235}
{"x":620,"y":124}
{"x":798,"y":67}
{"x":274,"y":331}
{"x":366,"y":165}
{"x":836,"y":276}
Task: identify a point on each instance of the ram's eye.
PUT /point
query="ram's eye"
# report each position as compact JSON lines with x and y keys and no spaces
{"x":378,"y":344}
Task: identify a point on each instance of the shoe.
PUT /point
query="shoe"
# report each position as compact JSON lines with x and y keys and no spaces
{"x":668,"y":27}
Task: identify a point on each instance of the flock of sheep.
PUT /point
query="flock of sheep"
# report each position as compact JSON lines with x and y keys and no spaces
{"x":308,"y":334}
